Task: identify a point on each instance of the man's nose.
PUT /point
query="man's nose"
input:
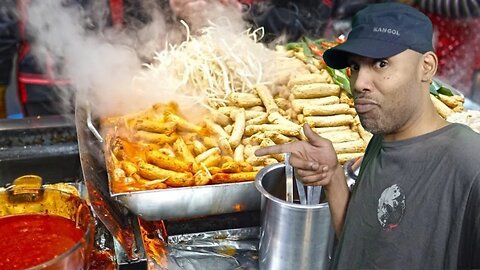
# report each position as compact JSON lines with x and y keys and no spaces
{"x":362,"y":81}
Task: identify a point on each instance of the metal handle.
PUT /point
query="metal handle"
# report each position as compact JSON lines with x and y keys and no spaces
{"x":313,"y":194}
{"x":301,"y":192}
{"x":289,"y":179}
{"x":90,"y":125}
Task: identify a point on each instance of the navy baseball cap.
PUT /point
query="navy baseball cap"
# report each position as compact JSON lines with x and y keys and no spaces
{"x":381,"y":31}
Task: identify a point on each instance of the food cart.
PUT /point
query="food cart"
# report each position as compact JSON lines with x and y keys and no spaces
{"x":208,"y":218}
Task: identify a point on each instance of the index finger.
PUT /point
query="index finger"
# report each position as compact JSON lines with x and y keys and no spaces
{"x":274,"y":149}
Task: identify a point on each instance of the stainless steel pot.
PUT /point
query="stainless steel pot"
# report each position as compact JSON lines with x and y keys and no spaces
{"x":293,"y":236}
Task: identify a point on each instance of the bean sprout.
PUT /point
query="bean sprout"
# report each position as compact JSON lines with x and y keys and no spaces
{"x":210,"y":66}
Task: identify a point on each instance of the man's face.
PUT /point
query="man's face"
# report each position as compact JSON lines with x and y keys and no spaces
{"x":386,"y":90}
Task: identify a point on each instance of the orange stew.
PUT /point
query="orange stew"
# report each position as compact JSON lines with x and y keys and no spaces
{"x":31,"y":239}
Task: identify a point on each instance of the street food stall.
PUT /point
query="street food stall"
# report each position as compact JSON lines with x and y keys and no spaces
{"x":170,"y":182}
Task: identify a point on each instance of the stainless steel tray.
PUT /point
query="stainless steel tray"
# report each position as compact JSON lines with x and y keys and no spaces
{"x":188,"y":202}
{"x":171,"y":203}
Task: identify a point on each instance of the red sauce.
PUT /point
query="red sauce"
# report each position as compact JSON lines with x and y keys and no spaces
{"x":28,"y":240}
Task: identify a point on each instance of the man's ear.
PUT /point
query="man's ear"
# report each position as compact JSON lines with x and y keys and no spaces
{"x":429,"y":66}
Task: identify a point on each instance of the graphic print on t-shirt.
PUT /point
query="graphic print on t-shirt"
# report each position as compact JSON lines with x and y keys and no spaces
{"x":391,"y":207}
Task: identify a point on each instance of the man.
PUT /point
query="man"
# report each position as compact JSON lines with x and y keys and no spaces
{"x":416,"y":203}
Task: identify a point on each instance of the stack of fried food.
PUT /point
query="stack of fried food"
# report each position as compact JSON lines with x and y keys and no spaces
{"x":318,"y":101}
{"x":159,"y":148}
{"x":447,"y":105}
{"x":269,"y":119}
{"x":329,"y":109}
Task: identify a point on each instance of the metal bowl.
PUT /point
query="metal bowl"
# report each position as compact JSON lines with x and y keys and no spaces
{"x":17,"y":200}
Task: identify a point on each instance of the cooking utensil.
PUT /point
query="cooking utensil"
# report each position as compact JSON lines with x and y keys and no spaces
{"x":161,"y":204}
{"x":91,"y":126}
{"x":288,"y":178}
{"x":313,"y":194}
{"x":301,"y":192}
{"x":286,"y":226}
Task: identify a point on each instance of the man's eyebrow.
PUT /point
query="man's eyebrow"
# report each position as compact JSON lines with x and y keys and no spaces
{"x":351,"y":61}
{"x":380,"y":59}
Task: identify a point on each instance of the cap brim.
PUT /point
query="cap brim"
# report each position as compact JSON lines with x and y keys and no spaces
{"x":337,"y":57}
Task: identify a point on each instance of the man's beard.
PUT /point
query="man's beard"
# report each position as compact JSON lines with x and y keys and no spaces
{"x":380,"y":126}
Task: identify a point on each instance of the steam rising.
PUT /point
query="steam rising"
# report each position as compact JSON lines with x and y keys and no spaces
{"x":101,"y":61}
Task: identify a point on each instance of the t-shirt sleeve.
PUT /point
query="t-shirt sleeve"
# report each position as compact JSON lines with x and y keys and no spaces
{"x":372,"y":151}
{"x":470,"y":242}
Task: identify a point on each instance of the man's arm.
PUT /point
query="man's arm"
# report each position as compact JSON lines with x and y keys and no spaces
{"x":338,"y":196}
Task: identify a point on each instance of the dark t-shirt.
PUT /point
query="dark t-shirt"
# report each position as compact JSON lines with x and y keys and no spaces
{"x":416,"y":205}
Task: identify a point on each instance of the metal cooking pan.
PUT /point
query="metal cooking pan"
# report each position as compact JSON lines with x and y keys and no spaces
{"x":116,"y":218}
{"x":170,"y":203}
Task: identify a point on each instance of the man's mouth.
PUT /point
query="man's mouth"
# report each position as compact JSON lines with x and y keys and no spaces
{"x":364,"y":105}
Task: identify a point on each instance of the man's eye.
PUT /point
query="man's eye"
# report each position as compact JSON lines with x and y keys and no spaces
{"x":381,"y":63}
{"x":354,"y":67}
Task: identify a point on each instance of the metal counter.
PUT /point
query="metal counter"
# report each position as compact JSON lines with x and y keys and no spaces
{"x":47,"y":146}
